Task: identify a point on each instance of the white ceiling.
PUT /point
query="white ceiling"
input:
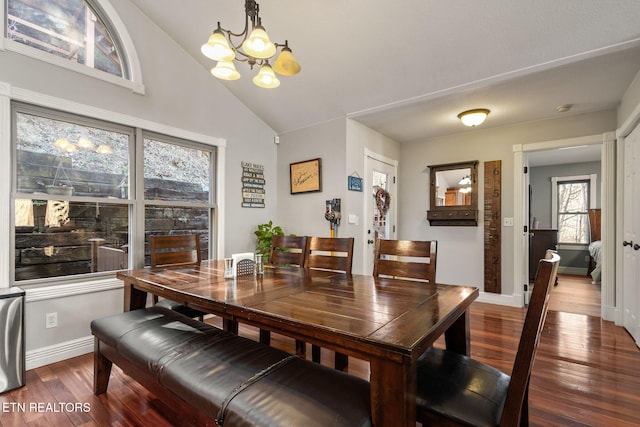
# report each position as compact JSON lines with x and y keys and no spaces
{"x":407,"y":68}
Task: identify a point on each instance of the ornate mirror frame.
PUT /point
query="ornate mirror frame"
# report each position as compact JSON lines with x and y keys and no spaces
{"x":458,"y":214}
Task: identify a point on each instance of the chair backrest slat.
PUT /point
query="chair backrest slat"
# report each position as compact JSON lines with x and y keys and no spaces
{"x":531,"y":330}
{"x":175,"y":250}
{"x":329,"y":253}
{"x":406,"y":259}
{"x":288,"y":250}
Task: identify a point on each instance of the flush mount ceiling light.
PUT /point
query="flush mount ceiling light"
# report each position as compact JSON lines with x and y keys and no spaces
{"x":473,"y":117}
{"x":252,"y":46}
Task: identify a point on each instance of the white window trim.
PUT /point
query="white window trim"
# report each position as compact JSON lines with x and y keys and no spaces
{"x":134,"y":82}
{"x":9,"y":93}
{"x":593,"y":188}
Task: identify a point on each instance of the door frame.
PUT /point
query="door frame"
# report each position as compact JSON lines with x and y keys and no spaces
{"x":608,"y":205}
{"x":366,"y":185}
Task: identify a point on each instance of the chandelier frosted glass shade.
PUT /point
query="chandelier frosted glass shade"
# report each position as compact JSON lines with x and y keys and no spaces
{"x":225,"y":70}
{"x":286,"y":64}
{"x":217,"y":48}
{"x":258,"y":44}
{"x":266,"y":78}
{"x":473,"y":117}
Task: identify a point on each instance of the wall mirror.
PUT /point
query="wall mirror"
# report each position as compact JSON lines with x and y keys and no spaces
{"x":453,"y":189}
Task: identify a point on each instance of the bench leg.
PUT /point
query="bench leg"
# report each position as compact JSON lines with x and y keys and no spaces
{"x":101,"y":370}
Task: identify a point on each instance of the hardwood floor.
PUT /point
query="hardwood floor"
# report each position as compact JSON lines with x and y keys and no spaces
{"x":586,"y":372}
{"x":576,"y":294}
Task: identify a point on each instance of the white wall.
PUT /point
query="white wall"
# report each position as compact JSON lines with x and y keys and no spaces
{"x":461,"y":249}
{"x":303,"y":214}
{"x":341,"y":145}
{"x":178,"y":93}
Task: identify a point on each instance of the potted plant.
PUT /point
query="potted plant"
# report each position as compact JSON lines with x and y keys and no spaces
{"x":264,"y":238}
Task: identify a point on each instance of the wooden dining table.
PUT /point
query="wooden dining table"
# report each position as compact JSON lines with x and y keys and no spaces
{"x":387,"y":322}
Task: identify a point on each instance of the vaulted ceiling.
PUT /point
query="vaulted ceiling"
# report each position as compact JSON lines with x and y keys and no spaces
{"x":407,"y":68}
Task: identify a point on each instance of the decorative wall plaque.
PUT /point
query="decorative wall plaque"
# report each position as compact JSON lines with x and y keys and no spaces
{"x":252,"y":185}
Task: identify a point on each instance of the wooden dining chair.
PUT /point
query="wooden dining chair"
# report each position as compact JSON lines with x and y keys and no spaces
{"x":456,"y":390}
{"x":174,"y":251}
{"x":287,"y":250}
{"x":333,"y":254}
{"x":406,"y":259}
{"x":327,"y":253}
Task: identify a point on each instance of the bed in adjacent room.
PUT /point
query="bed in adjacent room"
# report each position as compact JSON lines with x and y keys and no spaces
{"x":595,"y":245}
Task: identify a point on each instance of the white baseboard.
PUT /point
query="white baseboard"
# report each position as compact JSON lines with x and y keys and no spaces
{"x":500,"y":299}
{"x":56,"y":353}
{"x":609,"y":313}
{"x":575,"y":271}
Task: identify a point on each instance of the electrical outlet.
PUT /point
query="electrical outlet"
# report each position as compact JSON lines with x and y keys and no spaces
{"x":51,"y":320}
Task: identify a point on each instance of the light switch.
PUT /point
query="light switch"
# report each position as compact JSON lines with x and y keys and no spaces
{"x":508,"y":222}
{"x":353,"y":219}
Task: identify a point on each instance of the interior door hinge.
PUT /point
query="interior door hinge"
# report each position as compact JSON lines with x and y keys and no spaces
{"x":526,"y":228}
{"x":394,"y":179}
{"x":526,"y":169}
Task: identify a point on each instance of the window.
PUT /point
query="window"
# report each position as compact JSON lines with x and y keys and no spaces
{"x":70,"y":29}
{"x":177,"y":188}
{"x":572,"y":197}
{"x":75,"y":202}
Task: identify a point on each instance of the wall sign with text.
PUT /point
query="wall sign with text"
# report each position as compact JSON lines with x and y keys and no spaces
{"x":252,"y":185}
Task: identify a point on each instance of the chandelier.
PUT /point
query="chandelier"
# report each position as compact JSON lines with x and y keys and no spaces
{"x":252,"y":46}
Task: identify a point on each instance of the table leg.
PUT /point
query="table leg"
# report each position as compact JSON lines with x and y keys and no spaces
{"x":133,"y":298}
{"x":393,"y":390}
{"x":457,"y":336}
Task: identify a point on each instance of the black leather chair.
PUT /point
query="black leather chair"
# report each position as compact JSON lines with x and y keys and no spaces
{"x":455,"y":390}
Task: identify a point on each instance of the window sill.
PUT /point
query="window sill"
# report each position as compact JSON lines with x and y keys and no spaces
{"x":573,"y":246}
{"x":13,"y":46}
{"x":46,"y":292}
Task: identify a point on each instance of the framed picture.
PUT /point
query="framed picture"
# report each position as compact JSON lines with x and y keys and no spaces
{"x":355,"y":183}
{"x":306,"y":177}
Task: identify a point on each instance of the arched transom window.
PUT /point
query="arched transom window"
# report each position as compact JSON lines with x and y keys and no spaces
{"x":76,"y":30}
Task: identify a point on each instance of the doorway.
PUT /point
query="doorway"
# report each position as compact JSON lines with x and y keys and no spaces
{"x":380,"y":203}
{"x":546,"y":154}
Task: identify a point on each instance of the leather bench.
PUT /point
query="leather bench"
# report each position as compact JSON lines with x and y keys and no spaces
{"x":206,"y":375}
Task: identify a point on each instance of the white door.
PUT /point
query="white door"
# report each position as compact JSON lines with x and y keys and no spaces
{"x":631,"y":233}
{"x":380,"y":203}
